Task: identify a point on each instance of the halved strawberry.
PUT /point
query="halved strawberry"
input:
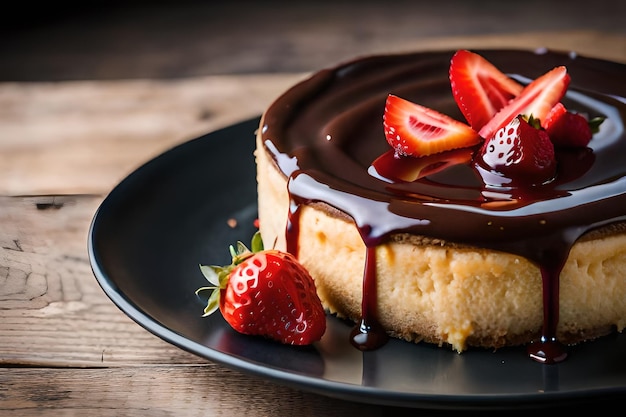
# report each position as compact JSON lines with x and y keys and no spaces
{"x":518,"y":154}
{"x":415,"y":130}
{"x":536,"y":100}
{"x":479,"y":88}
{"x":266,"y":293}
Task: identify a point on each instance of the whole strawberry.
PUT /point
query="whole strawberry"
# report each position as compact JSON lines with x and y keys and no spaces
{"x":266,"y":293}
{"x":518,"y":154}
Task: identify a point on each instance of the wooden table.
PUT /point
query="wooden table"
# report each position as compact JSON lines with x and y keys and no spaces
{"x":65,"y":348}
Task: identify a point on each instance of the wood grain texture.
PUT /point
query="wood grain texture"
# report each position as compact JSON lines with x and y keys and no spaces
{"x":52,"y":311}
{"x":83,"y":137}
{"x":164,"y":391}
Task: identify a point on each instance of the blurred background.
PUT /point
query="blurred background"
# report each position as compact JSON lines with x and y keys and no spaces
{"x":94,"y":40}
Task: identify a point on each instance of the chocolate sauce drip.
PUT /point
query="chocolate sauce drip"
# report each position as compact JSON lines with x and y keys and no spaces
{"x":548,"y":349}
{"x":369,"y":334}
{"x":326,"y":136}
{"x":293,"y":228}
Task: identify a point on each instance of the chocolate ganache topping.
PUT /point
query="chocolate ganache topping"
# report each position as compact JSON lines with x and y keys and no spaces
{"x":326,"y":136}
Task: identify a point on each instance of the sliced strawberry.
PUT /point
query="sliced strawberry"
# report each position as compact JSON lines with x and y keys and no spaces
{"x":518,"y":154}
{"x":415,"y":130}
{"x":266,"y":293}
{"x":479,"y":88}
{"x":567,"y":129}
{"x":536,"y":99}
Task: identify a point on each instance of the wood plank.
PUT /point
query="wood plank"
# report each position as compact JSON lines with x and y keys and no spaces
{"x":84,"y":137}
{"x":53,"y":313}
{"x":164,"y":391}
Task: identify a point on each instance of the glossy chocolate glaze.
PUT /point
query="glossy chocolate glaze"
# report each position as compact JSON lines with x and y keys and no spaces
{"x":326,"y":136}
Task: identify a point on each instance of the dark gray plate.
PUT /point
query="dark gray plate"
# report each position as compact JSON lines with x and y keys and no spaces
{"x":149,"y":235}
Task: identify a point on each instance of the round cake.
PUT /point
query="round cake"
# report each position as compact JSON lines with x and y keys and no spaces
{"x":443,"y":258}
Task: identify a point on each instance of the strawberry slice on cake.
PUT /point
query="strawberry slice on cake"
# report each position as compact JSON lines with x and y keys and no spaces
{"x":536,"y":100}
{"x":480,"y":89}
{"x":415,"y":130}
